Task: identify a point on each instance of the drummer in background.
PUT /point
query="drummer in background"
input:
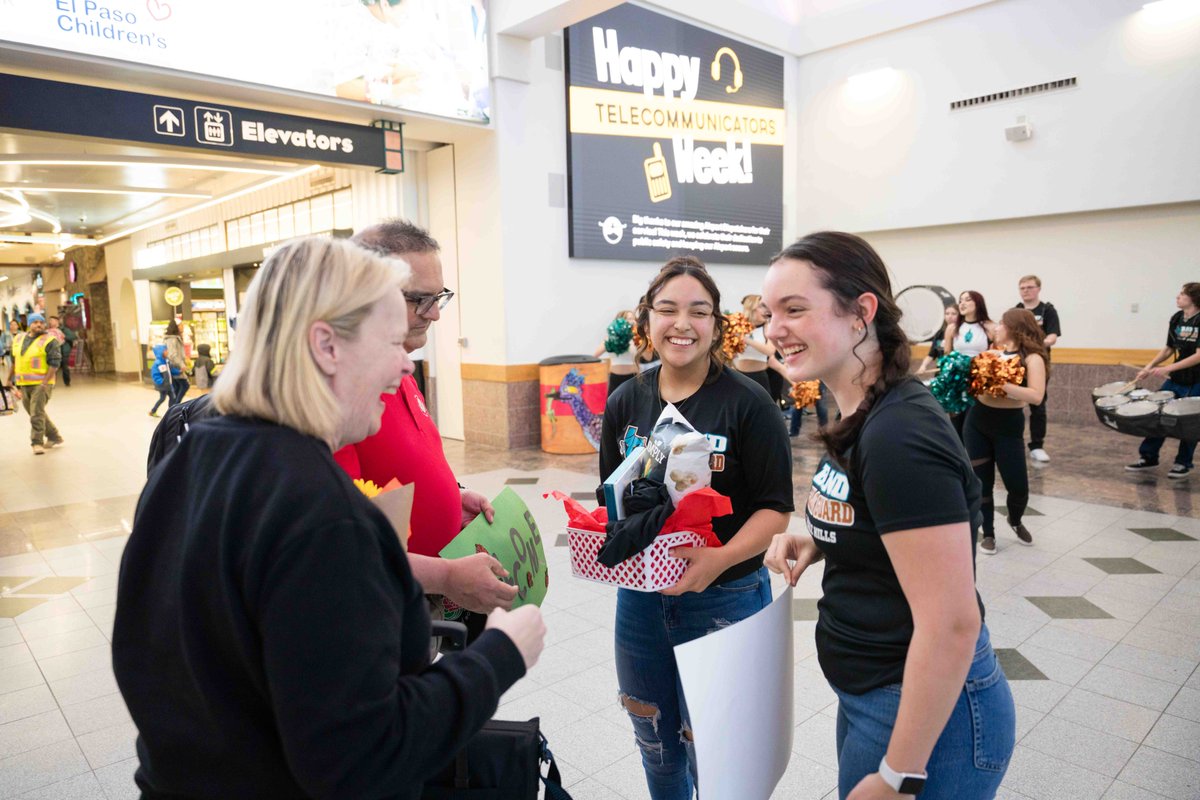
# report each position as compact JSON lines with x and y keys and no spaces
{"x":1046,"y":315}
{"x":1182,"y":377}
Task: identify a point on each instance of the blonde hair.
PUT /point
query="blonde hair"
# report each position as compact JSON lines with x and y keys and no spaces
{"x":1033,"y":278}
{"x":751,"y":302}
{"x":271,"y":373}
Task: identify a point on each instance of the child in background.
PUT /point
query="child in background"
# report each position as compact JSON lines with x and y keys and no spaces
{"x":162,"y":373}
{"x":202,"y":370}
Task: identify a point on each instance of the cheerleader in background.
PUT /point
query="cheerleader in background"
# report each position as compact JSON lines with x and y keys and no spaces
{"x":937,"y":348}
{"x":619,"y":349}
{"x":970,"y":336}
{"x":995,"y":426}
{"x":759,"y":357}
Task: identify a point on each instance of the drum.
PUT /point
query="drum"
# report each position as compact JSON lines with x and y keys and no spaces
{"x":1160,"y":397}
{"x":1106,"y":408}
{"x":1109,"y":389}
{"x":1180,"y":419}
{"x":1137,"y":418}
{"x":1142,"y":394}
{"x":924,"y":309}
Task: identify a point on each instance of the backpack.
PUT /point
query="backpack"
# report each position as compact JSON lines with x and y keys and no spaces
{"x":175,"y":423}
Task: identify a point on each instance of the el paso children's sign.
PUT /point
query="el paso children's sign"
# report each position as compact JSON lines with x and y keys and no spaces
{"x":676,"y":141}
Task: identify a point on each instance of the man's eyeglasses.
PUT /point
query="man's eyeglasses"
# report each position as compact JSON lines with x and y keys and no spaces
{"x":424,"y":303}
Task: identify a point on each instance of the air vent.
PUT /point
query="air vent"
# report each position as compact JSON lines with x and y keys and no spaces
{"x":1024,"y":91}
{"x":321,"y":181}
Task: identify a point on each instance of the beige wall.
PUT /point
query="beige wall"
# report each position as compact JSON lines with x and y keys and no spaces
{"x":118,"y":259}
{"x":1094,"y":267}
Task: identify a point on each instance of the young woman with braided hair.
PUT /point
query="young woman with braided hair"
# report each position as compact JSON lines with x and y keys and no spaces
{"x":924,"y":706}
{"x":994,"y":433}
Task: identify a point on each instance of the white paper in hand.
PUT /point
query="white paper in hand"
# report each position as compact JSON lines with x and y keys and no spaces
{"x":738,"y":682}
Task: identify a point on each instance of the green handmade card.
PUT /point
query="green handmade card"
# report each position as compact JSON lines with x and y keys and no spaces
{"x":514,"y":540}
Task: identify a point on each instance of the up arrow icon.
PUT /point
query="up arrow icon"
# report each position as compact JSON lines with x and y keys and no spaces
{"x":168,"y":121}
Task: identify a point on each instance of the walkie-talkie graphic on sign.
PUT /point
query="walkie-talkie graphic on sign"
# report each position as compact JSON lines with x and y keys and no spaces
{"x":657,"y":179}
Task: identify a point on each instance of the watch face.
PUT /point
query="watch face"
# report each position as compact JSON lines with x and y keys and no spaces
{"x":911,"y":785}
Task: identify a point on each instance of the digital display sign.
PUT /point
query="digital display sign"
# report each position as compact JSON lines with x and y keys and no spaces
{"x":675,"y":139}
{"x":419,"y":55}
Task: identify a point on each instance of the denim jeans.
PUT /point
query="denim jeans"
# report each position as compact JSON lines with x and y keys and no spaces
{"x":971,"y":755}
{"x":1150,"y":447}
{"x":649,"y":625}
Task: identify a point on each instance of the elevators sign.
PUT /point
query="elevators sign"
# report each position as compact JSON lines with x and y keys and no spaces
{"x":675,"y":140}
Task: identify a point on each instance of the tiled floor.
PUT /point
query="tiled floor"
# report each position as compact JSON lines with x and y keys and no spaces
{"x":1098,"y":624}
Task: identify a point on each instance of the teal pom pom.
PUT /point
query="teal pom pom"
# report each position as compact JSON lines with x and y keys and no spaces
{"x":620,"y":334}
{"x":949,"y":386}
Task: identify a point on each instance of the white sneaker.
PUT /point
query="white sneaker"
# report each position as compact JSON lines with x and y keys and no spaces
{"x":1038,"y":454}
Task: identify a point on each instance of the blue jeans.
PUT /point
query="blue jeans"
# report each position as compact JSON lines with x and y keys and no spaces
{"x":649,"y":625}
{"x":1151,"y":446}
{"x":971,"y":755}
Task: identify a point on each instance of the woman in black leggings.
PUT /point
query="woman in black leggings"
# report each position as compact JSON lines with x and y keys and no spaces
{"x":994,"y":432}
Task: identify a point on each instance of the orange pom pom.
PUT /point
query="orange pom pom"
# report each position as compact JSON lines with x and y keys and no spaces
{"x":806,"y":393}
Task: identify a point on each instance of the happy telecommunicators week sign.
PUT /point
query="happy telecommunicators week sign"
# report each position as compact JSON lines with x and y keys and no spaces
{"x":675,"y":138}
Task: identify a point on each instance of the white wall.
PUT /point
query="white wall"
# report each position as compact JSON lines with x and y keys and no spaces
{"x":1094,"y":267}
{"x":895,"y":156}
{"x":553,"y":304}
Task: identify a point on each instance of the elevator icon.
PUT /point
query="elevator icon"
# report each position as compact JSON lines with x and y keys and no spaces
{"x":214,"y":126}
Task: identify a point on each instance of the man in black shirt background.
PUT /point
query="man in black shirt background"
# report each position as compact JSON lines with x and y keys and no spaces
{"x":1046,"y":315}
{"x":1182,"y":377}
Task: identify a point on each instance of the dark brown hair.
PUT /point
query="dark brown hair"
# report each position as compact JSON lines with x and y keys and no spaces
{"x":1192,"y":290}
{"x":692,"y":267}
{"x":1025,"y":334}
{"x":981,"y":313}
{"x":848,"y":267}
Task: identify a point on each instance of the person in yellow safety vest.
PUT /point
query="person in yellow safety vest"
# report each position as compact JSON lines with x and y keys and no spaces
{"x":37,"y":359}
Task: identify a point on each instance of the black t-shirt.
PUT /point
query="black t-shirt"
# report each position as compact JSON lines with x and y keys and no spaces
{"x":1047,"y":317}
{"x":751,"y":460}
{"x":909,"y":470}
{"x":1182,"y":336}
{"x":937,"y":347}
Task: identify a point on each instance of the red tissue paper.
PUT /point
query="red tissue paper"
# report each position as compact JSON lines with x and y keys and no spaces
{"x":694,"y":513}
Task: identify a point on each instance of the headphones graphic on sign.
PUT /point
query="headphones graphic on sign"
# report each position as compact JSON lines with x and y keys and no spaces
{"x":737,"y":69}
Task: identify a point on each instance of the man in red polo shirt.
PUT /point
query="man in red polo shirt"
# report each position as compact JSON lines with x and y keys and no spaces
{"x":408,"y":446}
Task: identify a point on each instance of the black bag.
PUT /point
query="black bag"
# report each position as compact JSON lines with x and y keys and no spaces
{"x":502,"y":762}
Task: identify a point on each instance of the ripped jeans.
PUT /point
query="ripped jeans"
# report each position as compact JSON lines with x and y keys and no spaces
{"x":648,"y":626}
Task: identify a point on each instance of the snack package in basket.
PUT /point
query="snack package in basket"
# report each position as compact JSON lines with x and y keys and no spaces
{"x":677,"y":456}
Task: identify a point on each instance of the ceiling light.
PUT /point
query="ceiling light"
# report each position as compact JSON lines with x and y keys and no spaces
{"x":129,"y":190}
{"x":134,"y":161}
{"x":11,"y":219}
{"x":209,"y":203}
{"x":872,"y":76}
{"x":45,"y":238}
{"x":3,"y":278}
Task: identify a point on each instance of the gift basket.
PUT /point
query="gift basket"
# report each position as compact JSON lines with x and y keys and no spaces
{"x":659,"y":498}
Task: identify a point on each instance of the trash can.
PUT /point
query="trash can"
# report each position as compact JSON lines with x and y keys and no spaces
{"x":573,"y":391}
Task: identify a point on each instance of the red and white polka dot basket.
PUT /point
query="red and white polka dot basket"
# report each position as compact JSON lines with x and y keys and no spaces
{"x":648,"y":571}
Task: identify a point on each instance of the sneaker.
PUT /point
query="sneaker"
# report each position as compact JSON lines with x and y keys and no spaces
{"x":1140,"y":465}
{"x":1023,"y":534}
{"x":1038,"y":454}
{"x":1179,"y":471}
{"x":55,"y":443}
{"x":154,"y":414}
{"x":38,"y":449}
{"x":988,"y":545}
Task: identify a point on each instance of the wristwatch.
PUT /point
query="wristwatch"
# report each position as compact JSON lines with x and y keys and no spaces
{"x":902,"y":782}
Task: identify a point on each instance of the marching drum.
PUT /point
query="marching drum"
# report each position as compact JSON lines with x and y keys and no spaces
{"x":1106,"y":408}
{"x":1181,"y":419}
{"x":1109,"y":389}
{"x":1142,"y":394}
{"x":1138,"y":418}
{"x":1160,"y":397}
